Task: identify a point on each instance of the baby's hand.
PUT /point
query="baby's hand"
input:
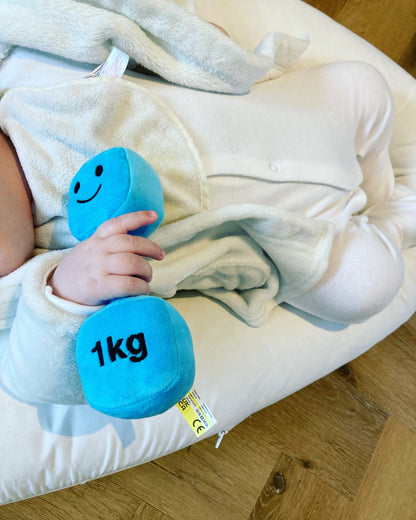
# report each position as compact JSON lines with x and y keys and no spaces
{"x":110,"y":264}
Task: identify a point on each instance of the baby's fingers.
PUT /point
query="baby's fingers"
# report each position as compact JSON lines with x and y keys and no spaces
{"x":125,"y":223}
{"x":121,"y":286}
{"x":133,"y":244}
{"x":128,"y":264}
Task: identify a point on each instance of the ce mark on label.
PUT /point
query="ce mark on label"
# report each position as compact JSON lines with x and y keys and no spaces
{"x":198,"y":429}
{"x":196,"y":413}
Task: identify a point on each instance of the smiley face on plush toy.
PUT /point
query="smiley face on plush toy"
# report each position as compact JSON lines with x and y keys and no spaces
{"x":114,"y":182}
{"x":98,"y":173}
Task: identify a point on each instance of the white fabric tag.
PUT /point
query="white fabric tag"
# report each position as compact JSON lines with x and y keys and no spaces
{"x":113,"y":67}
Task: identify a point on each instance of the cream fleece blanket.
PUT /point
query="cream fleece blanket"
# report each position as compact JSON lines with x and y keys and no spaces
{"x":161,"y":35}
{"x":247,"y":256}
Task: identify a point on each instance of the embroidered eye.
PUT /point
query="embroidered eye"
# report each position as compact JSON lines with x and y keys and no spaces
{"x":99,"y":170}
{"x":77,"y":187}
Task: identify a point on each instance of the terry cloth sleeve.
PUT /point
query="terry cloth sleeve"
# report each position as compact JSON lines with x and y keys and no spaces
{"x":160,"y":35}
{"x":37,"y":348}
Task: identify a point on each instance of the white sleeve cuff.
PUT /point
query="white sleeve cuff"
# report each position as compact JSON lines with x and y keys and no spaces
{"x":68,"y":306}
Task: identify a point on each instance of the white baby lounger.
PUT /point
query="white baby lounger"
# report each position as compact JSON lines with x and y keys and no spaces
{"x":239,"y":369}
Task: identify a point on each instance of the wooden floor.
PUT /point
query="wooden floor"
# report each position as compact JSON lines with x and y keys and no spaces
{"x":342,"y":449}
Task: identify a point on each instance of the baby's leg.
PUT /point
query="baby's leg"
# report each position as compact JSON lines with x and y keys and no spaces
{"x":366,"y":266}
{"x":372,"y":111}
{"x":16,"y":222}
{"x":390,"y":208}
{"x":397,"y":217}
{"x":364,"y":275}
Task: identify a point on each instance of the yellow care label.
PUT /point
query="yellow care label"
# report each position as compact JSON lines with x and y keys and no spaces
{"x":196,"y":412}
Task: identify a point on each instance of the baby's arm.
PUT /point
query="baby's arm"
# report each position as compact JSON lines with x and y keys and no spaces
{"x":16,"y":221}
{"x":42,"y":339}
{"x":110,"y":264}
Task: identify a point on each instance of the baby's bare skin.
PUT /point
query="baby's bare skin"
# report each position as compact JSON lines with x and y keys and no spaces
{"x":109,"y":264}
{"x":16,"y":221}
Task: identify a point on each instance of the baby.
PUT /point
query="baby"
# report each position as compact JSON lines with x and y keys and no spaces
{"x":332,"y":139}
{"x":313,"y":142}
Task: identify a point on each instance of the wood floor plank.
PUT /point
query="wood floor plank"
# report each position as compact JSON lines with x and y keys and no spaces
{"x":330,"y":428}
{"x":91,"y":501}
{"x":99,"y":499}
{"x":146,"y":512}
{"x":369,"y":19}
{"x":304,"y":496}
{"x":408,"y":58}
{"x":388,"y":488}
{"x":387,"y":374}
{"x":204,"y":483}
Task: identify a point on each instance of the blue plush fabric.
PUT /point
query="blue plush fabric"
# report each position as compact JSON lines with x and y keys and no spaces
{"x":113,"y":182}
{"x":135,"y":356}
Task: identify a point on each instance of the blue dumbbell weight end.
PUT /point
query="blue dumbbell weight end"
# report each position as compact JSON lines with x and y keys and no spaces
{"x":113,"y":182}
{"x":135,"y":358}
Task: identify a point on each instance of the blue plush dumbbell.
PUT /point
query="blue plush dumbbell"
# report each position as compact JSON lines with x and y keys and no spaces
{"x":113,"y":182}
{"x":135,"y":356}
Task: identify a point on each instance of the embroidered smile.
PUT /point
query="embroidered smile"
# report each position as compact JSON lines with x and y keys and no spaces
{"x":88,"y":200}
